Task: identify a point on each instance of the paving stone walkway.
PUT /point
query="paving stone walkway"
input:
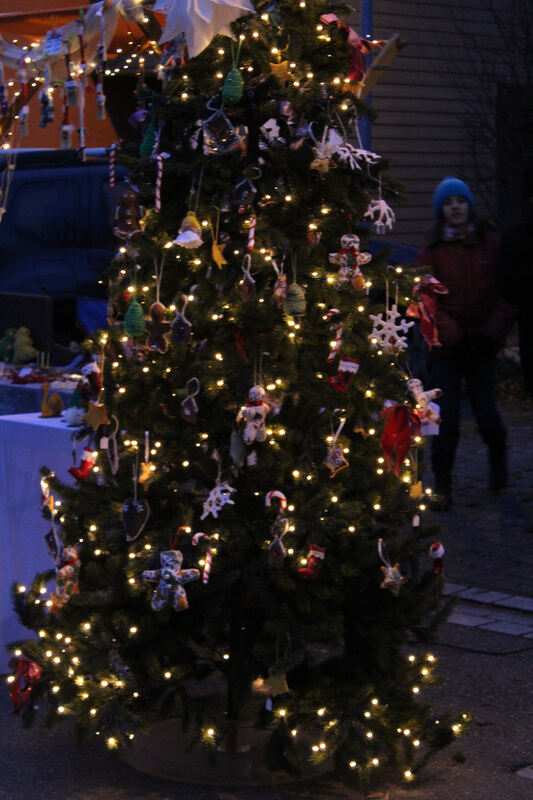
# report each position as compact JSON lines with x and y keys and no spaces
{"x":489,"y":537}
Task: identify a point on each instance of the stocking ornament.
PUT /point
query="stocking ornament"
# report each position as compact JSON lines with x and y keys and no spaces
{"x":347,"y":369}
{"x":314,"y":562}
{"x":88,"y":461}
{"x":436,"y":553}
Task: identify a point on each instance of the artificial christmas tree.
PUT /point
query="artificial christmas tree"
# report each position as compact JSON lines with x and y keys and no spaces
{"x":240,"y":409}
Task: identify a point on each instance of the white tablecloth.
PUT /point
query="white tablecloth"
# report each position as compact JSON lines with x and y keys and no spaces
{"x":27,"y":443}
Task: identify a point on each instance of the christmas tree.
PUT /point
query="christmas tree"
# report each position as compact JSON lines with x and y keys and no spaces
{"x":239,"y":543}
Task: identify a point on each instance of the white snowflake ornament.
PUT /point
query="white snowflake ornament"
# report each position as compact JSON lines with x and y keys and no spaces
{"x":381,"y":214}
{"x":387,"y":332}
{"x":219,"y":496}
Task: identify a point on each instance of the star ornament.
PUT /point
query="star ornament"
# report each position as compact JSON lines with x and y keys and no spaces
{"x":96,"y":415}
{"x":281,"y":71}
{"x":200,"y":20}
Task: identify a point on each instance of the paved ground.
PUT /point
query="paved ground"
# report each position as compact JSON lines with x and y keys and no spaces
{"x":486,"y":663}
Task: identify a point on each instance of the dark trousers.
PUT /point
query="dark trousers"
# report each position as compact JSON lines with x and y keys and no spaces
{"x":479,"y":373}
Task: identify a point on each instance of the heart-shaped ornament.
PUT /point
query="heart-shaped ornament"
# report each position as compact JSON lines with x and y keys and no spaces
{"x":135,"y":515}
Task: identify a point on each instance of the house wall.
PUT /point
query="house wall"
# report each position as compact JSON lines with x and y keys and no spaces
{"x":435,"y":86}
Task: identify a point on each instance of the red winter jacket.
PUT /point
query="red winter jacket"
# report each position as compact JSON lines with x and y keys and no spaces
{"x":468,"y":269}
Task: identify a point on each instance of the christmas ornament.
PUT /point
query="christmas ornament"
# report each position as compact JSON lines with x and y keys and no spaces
{"x":280,"y":287}
{"x":436,"y":553}
{"x":243,"y":195}
{"x":135,"y":514}
{"x":348,"y":367}
{"x":171,"y":579}
{"x":295,"y":301}
{"x":387,"y":333}
{"x":128,"y":215}
{"x":356,"y":157}
{"x":147,"y":467}
{"x":88,"y":461}
{"x":157,"y":328}
{"x":392,"y":578}
{"x":401,"y":423}
{"x":254,"y":413}
{"x":247,"y":284}
{"x":190,"y":232}
{"x":349,"y":259}
{"x":92,"y":383}
{"x":217,"y":248}
{"x":189,"y":406}
{"x":27,"y":674}
{"x":149,"y":140}
{"x":314,"y":562}
{"x":335,"y":460}
{"x":323,"y":150}
{"x":181,"y":328}
{"x":96,"y":415}
{"x":423,"y":306}
{"x":51,"y":406}
{"x":112,"y":164}
{"x":208,"y":560}
{"x":281,"y":71}
{"x":219,"y":496}
{"x":381,"y":214}
{"x":278,"y":529}
{"x":233,"y":84}
{"x":200,"y":22}
{"x":67,"y":573}
{"x":427,"y":410}
{"x":251,"y":232}
{"x":220,"y":136}
{"x":158,"y":183}
{"x":134,"y":323}
{"x":338,"y":328}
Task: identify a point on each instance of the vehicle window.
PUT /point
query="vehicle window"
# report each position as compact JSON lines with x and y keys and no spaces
{"x":47,"y":211}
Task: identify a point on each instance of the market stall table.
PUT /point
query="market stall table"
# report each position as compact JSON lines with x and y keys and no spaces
{"x":27,"y":443}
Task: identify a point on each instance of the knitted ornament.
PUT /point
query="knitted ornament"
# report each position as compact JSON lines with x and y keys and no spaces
{"x":436,"y":553}
{"x":171,"y":578}
{"x":314,"y":562}
{"x":347,"y":369}
{"x":190,"y":232}
{"x":148,"y":142}
{"x":233,"y":86}
{"x":157,"y":328}
{"x":295,"y":302}
{"x":134,"y":323}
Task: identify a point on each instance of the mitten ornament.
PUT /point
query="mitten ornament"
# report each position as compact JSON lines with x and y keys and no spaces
{"x":347,"y":369}
{"x":88,"y":461}
{"x":157,"y":328}
{"x":171,"y":578}
{"x":314,"y":562}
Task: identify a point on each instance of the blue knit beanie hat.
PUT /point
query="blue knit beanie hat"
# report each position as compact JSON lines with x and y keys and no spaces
{"x":449,"y":187}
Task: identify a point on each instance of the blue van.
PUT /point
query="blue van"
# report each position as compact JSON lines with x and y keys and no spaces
{"x":56,"y":230}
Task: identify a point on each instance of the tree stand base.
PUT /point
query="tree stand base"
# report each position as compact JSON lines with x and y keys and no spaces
{"x":165,"y":752}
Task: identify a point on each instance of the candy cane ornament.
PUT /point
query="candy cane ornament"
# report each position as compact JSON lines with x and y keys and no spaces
{"x":208,"y":561}
{"x":158,"y":182}
{"x":280,"y":496}
{"x":251,"y":232}
{"x":112,"y":164}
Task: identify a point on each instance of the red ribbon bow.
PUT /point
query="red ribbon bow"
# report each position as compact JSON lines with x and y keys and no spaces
{"x":424,"y":307}
{"x":401,"y":423}
{"x":27,"y":676}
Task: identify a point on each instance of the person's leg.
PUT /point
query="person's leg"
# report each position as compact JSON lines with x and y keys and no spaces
{"x":445,"y":374}
{"x":481,"y":386}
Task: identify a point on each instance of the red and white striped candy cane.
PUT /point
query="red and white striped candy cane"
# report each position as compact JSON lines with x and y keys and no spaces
{"x":251,"y":232}
{"x":281,"y":497}
{"x":158,"y":182}
{"x":208,"y":561}
{"x":337,"y":343}
{"x":112,"y":161}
